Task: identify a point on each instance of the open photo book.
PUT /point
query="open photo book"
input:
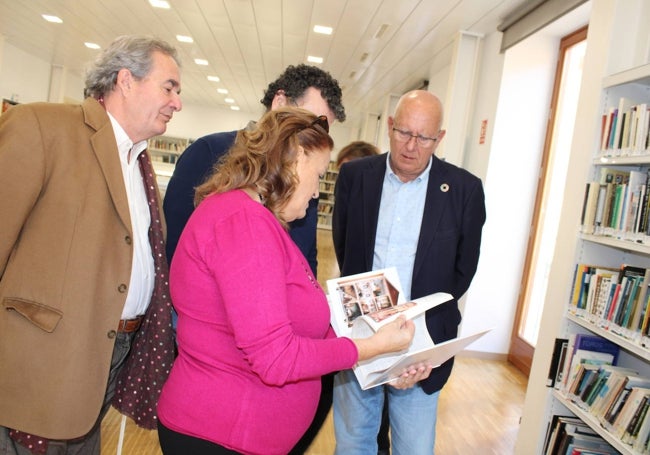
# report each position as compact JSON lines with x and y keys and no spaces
{"x":361,"y":304}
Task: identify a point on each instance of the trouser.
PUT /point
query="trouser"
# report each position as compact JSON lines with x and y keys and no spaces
{"x":90,"y":444}
{"x":357,"y":418}
{"x":174,"y":443}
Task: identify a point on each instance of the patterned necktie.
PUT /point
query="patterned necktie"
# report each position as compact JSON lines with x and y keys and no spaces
{"x":152,"y":352}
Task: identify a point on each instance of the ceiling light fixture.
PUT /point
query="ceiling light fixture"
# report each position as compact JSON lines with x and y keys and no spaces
{"x":312,"y":59}
{"x":223,"y":91}
{"x":184,"y":39}
{"x":201,"y":61}
{"x":380,"y":31}
{"x":213,"y":78}
{"x":234,"y":108}
{"x":159,"y":4}
{"x":92,"y":45}
{"x":53,"y":19}
{"x":229,"y":100}
{"x":323,"y":29}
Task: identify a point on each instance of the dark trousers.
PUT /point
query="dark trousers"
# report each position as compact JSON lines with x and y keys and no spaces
{"x":383,"y":441}
{"x":174,"y":443}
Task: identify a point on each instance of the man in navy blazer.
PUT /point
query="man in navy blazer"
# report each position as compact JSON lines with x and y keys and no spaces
{"x":301,"y":85}
{"x":193,"y":168}
{"x":414,"y":211}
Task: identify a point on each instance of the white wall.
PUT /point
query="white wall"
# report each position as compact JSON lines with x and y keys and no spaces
{"x":487,"y":96}
{"x":73,"y":90}
{"x":196,"y":121}
{"x":23,"y":78}
{"x":510,"y":185}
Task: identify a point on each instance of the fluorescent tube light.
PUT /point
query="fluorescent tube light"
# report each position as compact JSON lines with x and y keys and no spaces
{"x":323,"y":29}
{"x":53,"y":19}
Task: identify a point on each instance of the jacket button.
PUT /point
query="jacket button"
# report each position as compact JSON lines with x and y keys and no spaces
{"x":127,"y":239}
{"x":122,"y":288}
{"x":111,"y":334}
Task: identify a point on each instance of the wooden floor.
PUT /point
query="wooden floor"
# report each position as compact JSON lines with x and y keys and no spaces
{"x":478,"y":413}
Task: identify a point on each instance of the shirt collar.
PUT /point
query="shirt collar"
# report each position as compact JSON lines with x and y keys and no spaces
{"x":423,"y":175}
{"x":124,"y":143}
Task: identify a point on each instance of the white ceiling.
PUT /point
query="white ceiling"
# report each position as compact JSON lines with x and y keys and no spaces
{"x":248,"y":43}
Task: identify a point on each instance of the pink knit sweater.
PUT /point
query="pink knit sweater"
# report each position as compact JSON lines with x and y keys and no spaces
{"x":253,"y":331}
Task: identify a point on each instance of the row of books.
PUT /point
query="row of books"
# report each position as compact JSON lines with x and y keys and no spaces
{"x":614,"y":299}
{"x":619,"y":398}
{"x":324,"y":220}
{"x":330,"y":175}
{"x":169,"y":144}
{"x":164,"y":158}
{"x":625,"y":128}
{"x":584,"y":370}
{"x":568,"y":435}
{"x":326,"y":187}
{"x":575,"y":350}
{"x":325,"y":208}
{"x":618,"y":205}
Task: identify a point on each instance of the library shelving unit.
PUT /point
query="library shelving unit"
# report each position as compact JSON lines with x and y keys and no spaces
{"x":614,"y":247}
{"x":606,"y":248}
{"x":326,"y":197}
{"x":616,"y":65}
{"x":164,"y":151}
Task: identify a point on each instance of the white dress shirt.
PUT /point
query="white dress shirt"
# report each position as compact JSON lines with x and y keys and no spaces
{"x":142,"y":269}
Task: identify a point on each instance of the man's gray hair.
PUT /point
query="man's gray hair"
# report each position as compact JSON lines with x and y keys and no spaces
{"x":134,"y":53}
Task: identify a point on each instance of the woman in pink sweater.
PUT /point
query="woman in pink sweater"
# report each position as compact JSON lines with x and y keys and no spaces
{"x":253,"y":323}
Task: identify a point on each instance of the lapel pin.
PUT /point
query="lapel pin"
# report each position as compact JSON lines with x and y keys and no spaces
{"x":444,"y":187}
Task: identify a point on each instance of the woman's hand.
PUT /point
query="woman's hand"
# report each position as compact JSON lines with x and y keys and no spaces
{"x":393,"y":337}
{"x":411,"y":376}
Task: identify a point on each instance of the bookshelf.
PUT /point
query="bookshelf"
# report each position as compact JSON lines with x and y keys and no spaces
{"x":326,"y":197}
{"x":616,"y":66}
{"x":611,"y":245}
{"x":164,"y":151}
{"x":604,"y":245}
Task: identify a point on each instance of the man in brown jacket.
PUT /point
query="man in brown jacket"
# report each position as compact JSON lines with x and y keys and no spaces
{"x":76,"y":265}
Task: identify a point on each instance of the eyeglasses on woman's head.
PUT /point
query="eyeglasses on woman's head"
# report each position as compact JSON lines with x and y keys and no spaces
{"x":321,"y":121}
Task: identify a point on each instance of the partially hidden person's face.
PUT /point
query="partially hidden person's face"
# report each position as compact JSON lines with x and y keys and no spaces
{"x":313,"y":101}
{"x":155,"y":98}
{"x":409,"y":157}
{"x":309,"y":169}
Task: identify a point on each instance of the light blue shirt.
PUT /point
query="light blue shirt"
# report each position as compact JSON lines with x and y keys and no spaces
{"x":398,"y":226}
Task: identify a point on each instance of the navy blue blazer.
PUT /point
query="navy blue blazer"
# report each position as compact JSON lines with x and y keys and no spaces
{"x":193,"y":167}
{"x":448,"y":247}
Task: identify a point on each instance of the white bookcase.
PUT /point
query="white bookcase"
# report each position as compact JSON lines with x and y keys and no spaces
{"x":617,"y":40}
